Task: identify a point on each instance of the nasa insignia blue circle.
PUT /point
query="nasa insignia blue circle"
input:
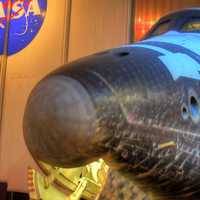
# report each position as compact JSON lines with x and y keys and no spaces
{"x":26,"y":19}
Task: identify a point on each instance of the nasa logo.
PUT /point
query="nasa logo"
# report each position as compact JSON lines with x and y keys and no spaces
{"x":26,"y":19}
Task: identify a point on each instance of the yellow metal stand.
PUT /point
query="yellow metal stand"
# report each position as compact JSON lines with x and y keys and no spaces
{"x":67,"y":184}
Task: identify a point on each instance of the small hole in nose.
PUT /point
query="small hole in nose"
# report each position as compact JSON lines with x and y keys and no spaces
{"x":194,"y":108}
{"x":184,"y":112}
{"x":122,"y":54}
{"x":193,"y":101}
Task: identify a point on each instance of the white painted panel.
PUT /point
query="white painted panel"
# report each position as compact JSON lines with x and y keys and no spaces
{"x":25,"y":69}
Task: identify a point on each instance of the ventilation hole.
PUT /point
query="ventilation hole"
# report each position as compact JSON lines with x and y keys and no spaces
{"x":194,"y":108}
{"x":193,"y":101}
{"x":122,"y":54}
{"x":184,"y":112}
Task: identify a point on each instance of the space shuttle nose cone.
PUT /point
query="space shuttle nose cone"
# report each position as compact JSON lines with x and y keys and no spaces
{"x":59,"y":122}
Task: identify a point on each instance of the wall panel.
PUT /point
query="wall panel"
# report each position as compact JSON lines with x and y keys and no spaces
{"x":98,"y":25}
{"x":95,"y":26}
{"x":24,"y":70}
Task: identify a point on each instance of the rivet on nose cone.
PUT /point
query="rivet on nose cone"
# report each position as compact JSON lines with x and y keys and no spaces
{"x":59,"y":122}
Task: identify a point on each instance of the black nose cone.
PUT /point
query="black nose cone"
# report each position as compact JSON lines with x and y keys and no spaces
{"x":59,"y":122}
